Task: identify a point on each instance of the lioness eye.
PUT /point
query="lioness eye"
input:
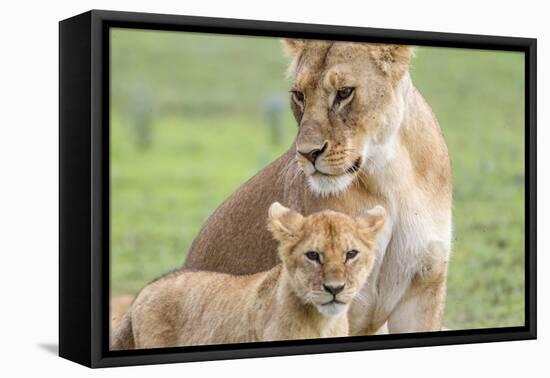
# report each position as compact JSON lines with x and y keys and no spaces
{"x":298,"y":96}
{"x":351,"y":254}
{"x":344,"y":93}
{"x":313,"y":256}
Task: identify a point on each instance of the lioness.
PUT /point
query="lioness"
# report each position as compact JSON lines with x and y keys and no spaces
{"x":326,"y":258}
{"x":365,"y":137}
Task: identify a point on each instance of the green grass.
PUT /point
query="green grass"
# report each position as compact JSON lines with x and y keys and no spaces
{"x":478,"y":99}
{"x":162,"y":196}
{"x":204,"y":97}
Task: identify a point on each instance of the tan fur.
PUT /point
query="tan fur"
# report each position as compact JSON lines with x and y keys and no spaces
{"x":287,"y":302}
{"x":382,"y":146}
{"x":119,"y":306}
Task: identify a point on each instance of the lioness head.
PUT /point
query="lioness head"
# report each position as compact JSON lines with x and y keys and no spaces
{"x":346,"y":99}
{"x":327,"y":255}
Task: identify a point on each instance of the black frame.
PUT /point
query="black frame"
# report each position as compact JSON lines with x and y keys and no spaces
{"x":84,"y":187}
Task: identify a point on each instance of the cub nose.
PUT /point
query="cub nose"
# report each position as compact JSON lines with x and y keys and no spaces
{"x":313,"y":154}
{"x":334,"y":289}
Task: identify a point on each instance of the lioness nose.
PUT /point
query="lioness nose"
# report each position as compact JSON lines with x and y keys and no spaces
{"x":333,"y":289}
{"x":312,"y":155}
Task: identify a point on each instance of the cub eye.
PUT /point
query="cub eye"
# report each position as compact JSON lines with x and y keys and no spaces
{"x":351,"y":254}
{"x":313,"y":256}
{"x":298,"y":96}
{"x":344,"y":93}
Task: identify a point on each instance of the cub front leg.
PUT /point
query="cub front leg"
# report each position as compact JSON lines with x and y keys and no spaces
{"x":423,"y":304}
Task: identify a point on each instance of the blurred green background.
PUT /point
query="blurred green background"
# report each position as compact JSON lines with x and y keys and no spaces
{"x":193,"y":116}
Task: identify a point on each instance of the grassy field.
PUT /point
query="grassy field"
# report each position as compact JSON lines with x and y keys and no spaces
{"x":189,"y":125}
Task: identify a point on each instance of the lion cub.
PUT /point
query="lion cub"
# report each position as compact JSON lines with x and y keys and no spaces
{"x":326,"y":258}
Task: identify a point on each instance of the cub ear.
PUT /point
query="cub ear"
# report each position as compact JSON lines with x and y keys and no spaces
{"x":284,"y":223}
{"x":393,"y":60}
{"x":372,"y":222}
{"x":293,"y":46}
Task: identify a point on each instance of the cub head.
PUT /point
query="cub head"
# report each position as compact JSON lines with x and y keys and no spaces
{"x":327,"y":256}
{"x":347,"y":99}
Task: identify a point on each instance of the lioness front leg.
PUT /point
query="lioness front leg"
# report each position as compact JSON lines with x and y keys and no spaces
{"x":423,"y":305}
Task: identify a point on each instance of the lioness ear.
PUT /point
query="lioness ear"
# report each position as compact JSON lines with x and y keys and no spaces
{"x":393,"y":60}
{"x":372,"y":222}
{"x":284,"y":223}
{"x":293,"y":46}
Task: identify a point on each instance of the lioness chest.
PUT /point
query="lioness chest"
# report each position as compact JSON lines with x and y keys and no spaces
{"x":416,"y":234}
